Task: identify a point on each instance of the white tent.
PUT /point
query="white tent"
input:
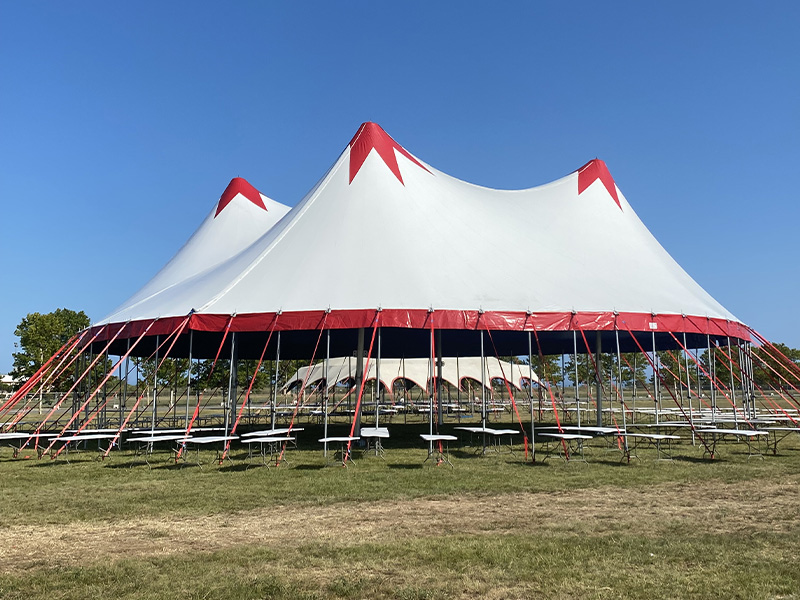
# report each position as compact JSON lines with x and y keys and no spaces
{"x":455,"y":371}
{"x":240,"y":216}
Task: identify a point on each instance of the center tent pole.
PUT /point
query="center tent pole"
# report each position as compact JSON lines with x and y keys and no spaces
{"x":326,"y":369}
{"x":275,"y":385}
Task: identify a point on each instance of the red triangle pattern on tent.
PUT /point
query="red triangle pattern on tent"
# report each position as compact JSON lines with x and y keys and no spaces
{"x":239,"y":186}
{"x":592,"y":171}
{"x":369,"y":136}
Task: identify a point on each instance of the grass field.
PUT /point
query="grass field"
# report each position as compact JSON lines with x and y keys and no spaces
{"x":492,"y":527}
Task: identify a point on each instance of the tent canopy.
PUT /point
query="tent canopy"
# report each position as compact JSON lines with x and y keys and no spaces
{"x":384,"y":239}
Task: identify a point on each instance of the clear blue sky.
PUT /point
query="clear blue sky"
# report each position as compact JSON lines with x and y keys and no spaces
{"x":121,"y":124}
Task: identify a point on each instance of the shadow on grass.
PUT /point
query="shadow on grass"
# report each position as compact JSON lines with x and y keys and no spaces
{"x":48,"y":462}
{"x":698,"y":460}
{"x":127,"y":465}
{"x":405,"y":467}
{"x":240,"y":467}
{"x":307,"y":467}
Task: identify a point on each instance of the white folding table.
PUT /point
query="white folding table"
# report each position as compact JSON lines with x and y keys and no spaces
{"x":376,"y":434}
{"x":206,"y":440}
{"x":272,"y":442}
{"x":145,"y":443}
{"x":343,"y":442}
{"x":441,"y":445}
{"x":561,"y":440}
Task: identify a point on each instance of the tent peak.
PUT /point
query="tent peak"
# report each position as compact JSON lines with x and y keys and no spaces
{"x":239,"y":185}
{"x":592,"y":171}
{"x":371,"y":135}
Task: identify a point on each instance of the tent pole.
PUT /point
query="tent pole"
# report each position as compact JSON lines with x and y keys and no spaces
{"x":733,"y":383}
{"x":530,"y":395}
{"x":431,"y":383}
{"x":620,"y":388}
{"x":275,"y":385}
{"x":688,"y":386}
{"x":155,"y":389}
{"x":711,"y":377}
{"x":101,"y":408}
{"x":378,"y":388}
{"x":599,"y":375}
{"x":326,"y":368}
{"x":563,"y":385}
{"x":656,"y":377}
{"x":633,"y":376}
{"x":124,"y":400}
{"x":458,"y":390}
{"x":233,"y":376}
{"x":359,"y":379}
{"x":575,"y":362}
{"x":439,"y":364}
{"x":189,"y":379}
{"x":483,"y":394}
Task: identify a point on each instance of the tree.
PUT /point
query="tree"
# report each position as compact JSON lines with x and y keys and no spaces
{"x":41,"y":336}
{"x":634,"y":367}
{"x":765,"y":376}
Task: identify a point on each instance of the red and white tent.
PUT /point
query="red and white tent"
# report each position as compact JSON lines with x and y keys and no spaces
{"x":241,"y":215}
{"x":384,"y":233}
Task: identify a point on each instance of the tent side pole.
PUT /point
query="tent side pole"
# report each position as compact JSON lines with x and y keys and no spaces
{"x":189,"y":380}
{"x":621,"y":389}
{"x":483,"y":393}
{"x":275,"y":383}
{"x":439,"y":363}
{"x":124,"y":400}
{"x":359,"y":379}
{"x":689,"y":388}
{"x":599,"y":378}
{"x":325,"y":394}
{"x":233,"y":375}
{"x":656,"y":377}
{"x":530,"y":395}
{"x":378,"y":388}
{"x":575,"y":363}
{"x":155,"y":389}
{"x":431,"y":372}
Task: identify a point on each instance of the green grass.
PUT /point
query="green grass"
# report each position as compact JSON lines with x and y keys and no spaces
{"x":513,"y":566}
{"x":688,"y":552}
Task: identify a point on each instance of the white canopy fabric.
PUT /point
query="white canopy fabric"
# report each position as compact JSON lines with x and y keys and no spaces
{"x":384,"y":238}
{"x":241,"y":215}
{"x":416,"y":370}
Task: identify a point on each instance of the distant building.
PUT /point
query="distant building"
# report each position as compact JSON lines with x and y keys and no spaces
{"x":9,"y":380}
